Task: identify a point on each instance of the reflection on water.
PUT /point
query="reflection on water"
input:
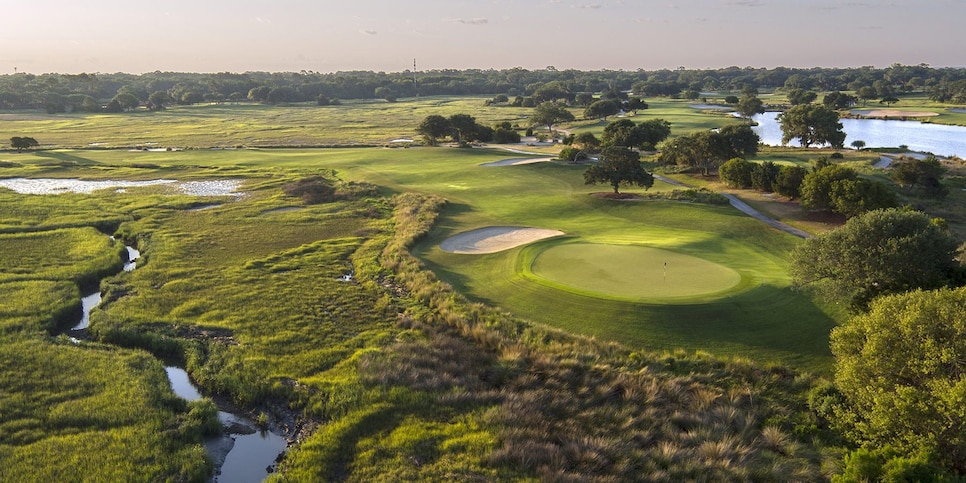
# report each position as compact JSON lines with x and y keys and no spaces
{"x":938,"y":139}
{"x":242,"y":457}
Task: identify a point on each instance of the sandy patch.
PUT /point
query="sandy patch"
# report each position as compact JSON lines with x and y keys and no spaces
{"x":516,"y":161}
{"x":494,"y":239}
{"x":891,"y":113}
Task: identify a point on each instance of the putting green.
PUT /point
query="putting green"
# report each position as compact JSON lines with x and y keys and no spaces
{"x":631,"y":271}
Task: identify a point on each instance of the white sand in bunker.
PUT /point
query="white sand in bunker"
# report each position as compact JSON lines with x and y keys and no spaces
{"x":494,"y":239}
{"x":891,"y":113}
{"x":518,"y":161}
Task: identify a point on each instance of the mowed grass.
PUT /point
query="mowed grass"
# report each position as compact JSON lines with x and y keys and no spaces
{"x":767,"y":320}
{"x":630,"y":272}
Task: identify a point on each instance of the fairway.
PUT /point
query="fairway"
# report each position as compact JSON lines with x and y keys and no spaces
{"x":631,"y":271}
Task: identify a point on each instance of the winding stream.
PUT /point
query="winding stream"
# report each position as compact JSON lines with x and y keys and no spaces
{"x":243,"y":453}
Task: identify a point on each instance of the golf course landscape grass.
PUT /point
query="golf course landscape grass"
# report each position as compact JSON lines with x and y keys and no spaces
{"x":446,"y":313}
{"x":630,"y":272}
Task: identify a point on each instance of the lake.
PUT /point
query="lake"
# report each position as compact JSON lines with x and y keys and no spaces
{"x":939,"y":139}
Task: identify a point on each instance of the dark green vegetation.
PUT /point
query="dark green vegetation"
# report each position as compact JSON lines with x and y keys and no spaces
{"x":900,"y":377}
{"x":878,"y":253}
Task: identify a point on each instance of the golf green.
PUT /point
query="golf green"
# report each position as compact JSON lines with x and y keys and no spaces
{"x":631,"y":271}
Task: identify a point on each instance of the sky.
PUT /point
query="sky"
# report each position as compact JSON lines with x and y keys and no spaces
{"x":106,"y":36}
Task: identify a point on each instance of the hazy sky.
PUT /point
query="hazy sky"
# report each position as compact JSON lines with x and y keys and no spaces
{"x":71,"y":36}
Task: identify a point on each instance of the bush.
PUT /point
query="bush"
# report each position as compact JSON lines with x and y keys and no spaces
{"x":506,"y":136}
{"x":312,"y":190}
{"x":736,"y":173}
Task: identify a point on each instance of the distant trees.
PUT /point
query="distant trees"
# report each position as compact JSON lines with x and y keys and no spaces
{"x":645,"y":135}
{"x":20,"y":143}
{"x":126,"y":101}
{"x":463,"y":128}
{"x":748,"y":106}
{"x":707,"y":150}
{"x":158,"y":99}
{"x":602,"y":109}
{"x":838,"y":100}
{"x":617,"y":166}
{"x":880,"y":252}
{"x":550,"y":113}
{"x":811,"y":124}
{"x":433,"y":127}
{"x":801,"y":96}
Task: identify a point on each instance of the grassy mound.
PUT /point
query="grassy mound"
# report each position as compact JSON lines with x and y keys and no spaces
{"x":631,"y":271}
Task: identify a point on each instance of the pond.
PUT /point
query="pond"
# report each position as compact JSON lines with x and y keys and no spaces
{"x":51,"y":186}
{"x":938,"y":139}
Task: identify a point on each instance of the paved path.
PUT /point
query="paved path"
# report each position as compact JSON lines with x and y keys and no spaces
{"x":748,"y":210}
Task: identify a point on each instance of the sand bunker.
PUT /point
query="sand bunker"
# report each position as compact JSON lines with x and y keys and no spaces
{"x":516,"y":161}
{"x":494,"y":239}
{"x":891,"y":113}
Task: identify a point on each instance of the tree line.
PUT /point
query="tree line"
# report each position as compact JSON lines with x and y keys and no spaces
{"x":94,"y":91}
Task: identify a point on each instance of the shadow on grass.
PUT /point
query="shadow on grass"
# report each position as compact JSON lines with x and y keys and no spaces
{"x":66,"y":158}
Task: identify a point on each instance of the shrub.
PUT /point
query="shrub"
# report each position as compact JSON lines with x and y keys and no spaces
{"x":312,"y":190}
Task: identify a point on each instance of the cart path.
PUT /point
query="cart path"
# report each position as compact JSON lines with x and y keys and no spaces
{"x":748,"y":210}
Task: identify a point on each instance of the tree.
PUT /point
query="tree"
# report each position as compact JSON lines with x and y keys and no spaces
{"x":21,"y":143}
{"x":652,"y":132}
{"x":880,"y":252}
{"x":602,"y":109}
{"x":748,"y":106}
{"x":764,"y":175}
{"x":622,"y":132}
{"x":731,"y":99}
{"x":838,"y":100}
{"x":706,"y":150}
{"x":789,"y":181}
{"x":127,"y":101}
{"x":736,"y":173}
{"x":899,"y":369}
{"x":550,"y":113}
{"x":856,"y":196}
{"x":858,"y":144}
{"x":505,"y":136}
{"x":462,"y":127}
{"x":434,"y":127}
{"x":926,"y":173}
{"x":635,"y":104}
{"x":889,"y":100}
{"x":572,"y":154}
{"x":587,"y":141}
{"x":385,"y":93}
{"x":866,"y":93}
{"x":801,"y":96}
{"x":618,"y":166}
{"x":817,"y":186}
{"x":742,"y":139}
{"x":158,"y":99}
{"x":259,"y":94}
{"x":811,"y":124}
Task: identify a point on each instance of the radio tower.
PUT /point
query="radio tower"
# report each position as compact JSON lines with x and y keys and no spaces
{"x":415,"y":87}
